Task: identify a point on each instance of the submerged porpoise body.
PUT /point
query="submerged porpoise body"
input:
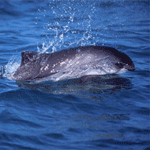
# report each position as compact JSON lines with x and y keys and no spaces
{"x":72,"y":63}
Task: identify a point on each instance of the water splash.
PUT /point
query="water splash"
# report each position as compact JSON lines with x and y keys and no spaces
{"x":70,"y":27}
{"x":11,"y":66}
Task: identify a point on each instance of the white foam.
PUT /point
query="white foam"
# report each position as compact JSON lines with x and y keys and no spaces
{"x":12,"y":66}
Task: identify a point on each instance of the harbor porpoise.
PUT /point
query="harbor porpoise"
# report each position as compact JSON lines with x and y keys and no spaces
{"x":72,"y":63}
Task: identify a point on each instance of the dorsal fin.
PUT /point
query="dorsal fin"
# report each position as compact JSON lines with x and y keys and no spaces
{"x":27,"y":56}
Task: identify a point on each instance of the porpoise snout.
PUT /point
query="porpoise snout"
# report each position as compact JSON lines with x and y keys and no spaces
{"x":130,"y":67}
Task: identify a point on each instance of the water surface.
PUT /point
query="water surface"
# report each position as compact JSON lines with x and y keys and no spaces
{"x":106,"y":112}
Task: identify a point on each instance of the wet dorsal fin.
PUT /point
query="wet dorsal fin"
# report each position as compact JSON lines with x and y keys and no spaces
{"x":27,"y":56}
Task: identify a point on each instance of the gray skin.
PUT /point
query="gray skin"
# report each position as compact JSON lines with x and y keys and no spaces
{"x":72,"y":63}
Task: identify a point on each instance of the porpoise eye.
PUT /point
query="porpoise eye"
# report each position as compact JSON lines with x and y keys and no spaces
{"x":120,"y":64}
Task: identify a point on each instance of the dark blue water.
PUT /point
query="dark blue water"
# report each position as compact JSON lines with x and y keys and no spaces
{"x":107,"y":112}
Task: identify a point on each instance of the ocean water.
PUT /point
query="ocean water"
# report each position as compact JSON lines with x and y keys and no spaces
{"x":105,"y":112}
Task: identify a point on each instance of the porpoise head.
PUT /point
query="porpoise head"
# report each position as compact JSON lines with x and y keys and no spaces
{"x":124,"y":63}
{"x":121,"y":61}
